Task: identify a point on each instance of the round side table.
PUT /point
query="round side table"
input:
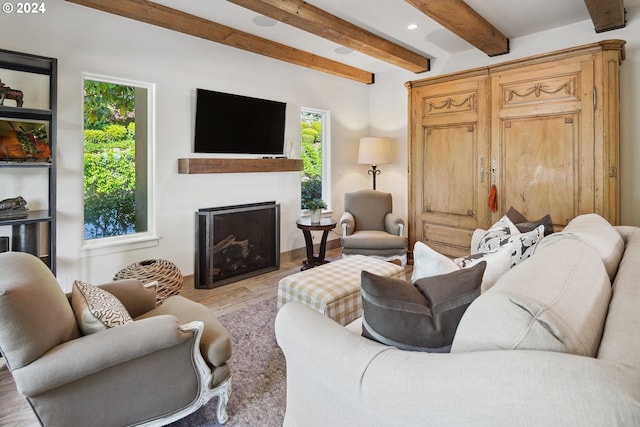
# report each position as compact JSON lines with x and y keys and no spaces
{"x":325,"y":225}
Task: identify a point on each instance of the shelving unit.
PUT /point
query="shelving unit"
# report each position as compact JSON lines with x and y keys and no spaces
{"x":39,"y":106}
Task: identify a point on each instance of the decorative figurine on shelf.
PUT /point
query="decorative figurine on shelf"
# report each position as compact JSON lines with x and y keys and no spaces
{"x":13,"y":208}
{"x":24,"y":141}
{"x":7,"y":93}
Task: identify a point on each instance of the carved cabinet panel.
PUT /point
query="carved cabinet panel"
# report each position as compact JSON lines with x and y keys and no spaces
{"x":537,"y":163}
{"x":543,"y":130}
{"x":543,"y":138}
{"x":450,"y":135}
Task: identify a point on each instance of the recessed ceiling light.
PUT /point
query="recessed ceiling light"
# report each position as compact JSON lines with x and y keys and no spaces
{"x":343,"y":50}
{"x":412,"y":26}
{"x":264,"y":21}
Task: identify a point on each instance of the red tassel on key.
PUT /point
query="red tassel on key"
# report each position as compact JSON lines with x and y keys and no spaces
{"x":493,"y":198}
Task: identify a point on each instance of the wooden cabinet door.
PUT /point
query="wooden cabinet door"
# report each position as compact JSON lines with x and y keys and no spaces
{"x":543,"y":139}
{"x":449,"y":163}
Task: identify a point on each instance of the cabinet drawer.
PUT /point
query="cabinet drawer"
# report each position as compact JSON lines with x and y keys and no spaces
{"x":447,"y":240}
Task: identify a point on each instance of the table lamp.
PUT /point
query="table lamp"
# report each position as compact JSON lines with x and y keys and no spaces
{"x":374,"y":151}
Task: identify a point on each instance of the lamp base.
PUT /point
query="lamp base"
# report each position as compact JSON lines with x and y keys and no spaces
{"x":373,"y":172}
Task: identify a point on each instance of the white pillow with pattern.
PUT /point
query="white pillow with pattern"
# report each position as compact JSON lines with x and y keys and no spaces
{"x":513,"y":250}
{"x":498,"y":263}
{"x":497,"y":235}
{"x":523,"y":245}
{"x":97,"y":309}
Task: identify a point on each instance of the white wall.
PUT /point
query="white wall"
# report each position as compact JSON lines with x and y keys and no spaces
{"x":388,"y":102}
{"x":85,"y":40}
{"x":90,"y":41}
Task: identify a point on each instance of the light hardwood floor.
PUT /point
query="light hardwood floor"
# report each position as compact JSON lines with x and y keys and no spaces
{"x":14,"y":409}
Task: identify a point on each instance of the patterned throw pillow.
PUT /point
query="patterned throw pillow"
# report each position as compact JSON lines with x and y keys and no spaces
{"x":498,"y":262}
{"x":523,"y":245}
{"x":97,"y":309}
{"x":497,"y":235}
{"x":514,"y":249}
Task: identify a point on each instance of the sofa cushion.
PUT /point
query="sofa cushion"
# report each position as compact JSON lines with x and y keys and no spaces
{"x":373,"y":239}
{"x":428,"y":262}
{"x":556,"y":301}
{"x":595,"y":231}
{"x":620,"y":340}
{"x":97,"y":309}
{"x":423,"y":317}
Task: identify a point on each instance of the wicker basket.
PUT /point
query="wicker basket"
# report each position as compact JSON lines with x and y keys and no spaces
{"x":169,"y":277}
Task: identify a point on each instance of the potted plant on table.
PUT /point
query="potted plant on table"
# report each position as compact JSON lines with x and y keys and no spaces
{"x":315,"y":207}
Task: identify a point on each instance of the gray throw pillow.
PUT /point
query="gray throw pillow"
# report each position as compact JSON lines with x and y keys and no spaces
{"x":420,"y":317}
{"x":524,"y":225}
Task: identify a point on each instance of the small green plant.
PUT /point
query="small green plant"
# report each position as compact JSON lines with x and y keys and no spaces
{"x":314,"y":204}
{"x":310,"y":189}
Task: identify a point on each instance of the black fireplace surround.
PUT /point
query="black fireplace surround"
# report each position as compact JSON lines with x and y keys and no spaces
{"x":236,"y":242}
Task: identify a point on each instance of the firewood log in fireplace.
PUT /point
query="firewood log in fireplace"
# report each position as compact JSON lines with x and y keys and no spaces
{"x":230,"y":255}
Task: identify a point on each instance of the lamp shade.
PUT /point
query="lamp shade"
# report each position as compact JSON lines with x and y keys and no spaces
{"x":374,"y":150}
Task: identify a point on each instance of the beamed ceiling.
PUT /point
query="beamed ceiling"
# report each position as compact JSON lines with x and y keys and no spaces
{"x":355,"y":38}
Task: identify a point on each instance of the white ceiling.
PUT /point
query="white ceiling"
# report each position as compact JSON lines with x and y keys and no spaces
{"x":389,"y":19}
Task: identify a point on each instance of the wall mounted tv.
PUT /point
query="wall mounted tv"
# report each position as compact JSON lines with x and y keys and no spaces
{"x":227,"y":123}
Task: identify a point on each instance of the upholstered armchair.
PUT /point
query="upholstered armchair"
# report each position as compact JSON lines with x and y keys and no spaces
{"x":156,"y":367}
{"x":370,"y":228}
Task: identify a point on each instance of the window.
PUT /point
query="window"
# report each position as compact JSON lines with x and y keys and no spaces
{"x":117,"y":151}
{"x":315,"y":153}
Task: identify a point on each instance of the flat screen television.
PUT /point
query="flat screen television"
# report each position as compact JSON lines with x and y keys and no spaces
{"x":236,"y":124}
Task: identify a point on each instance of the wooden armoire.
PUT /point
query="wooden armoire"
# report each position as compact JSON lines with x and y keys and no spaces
{"x":544,"y":131}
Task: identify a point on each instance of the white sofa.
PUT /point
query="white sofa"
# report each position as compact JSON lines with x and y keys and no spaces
{"x":552,"y":343}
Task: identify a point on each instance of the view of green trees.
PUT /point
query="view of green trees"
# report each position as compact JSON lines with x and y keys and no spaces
{"x":109,"y":160}
{"x":311,"y":153}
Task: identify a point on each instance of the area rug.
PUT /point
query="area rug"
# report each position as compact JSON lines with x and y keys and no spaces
{"x":257,"y":370}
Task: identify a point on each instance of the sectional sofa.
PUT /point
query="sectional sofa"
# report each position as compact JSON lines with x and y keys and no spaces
{"x":554,"y":342}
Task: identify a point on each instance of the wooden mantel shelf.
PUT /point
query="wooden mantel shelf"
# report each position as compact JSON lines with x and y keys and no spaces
{"x":208,"y":165}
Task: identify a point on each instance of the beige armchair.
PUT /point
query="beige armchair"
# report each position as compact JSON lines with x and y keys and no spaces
{"x":166,"y":363}
{"x":370,"y":228}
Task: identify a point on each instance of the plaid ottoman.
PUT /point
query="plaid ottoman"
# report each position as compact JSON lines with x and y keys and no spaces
{"x":334,"y":288}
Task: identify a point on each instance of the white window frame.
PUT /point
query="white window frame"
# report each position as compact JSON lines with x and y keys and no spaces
{"x":326,"y":156}
{"x":139,"y":240}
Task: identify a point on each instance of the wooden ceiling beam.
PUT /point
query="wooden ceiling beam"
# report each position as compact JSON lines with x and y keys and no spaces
{"x":311,"y":19}
{"x":462,"y":20}
{"x":606,"y":15}
{"x":172,"y":19}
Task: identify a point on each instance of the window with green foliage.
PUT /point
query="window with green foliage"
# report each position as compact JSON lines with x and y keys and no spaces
{"x":115,"y":158}
{"x":314,"y":151}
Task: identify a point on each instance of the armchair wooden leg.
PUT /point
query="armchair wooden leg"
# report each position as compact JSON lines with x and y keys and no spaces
{"x":223,"y":390}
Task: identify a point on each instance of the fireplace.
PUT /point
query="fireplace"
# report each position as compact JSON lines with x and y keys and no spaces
{"x":236,"y":242}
